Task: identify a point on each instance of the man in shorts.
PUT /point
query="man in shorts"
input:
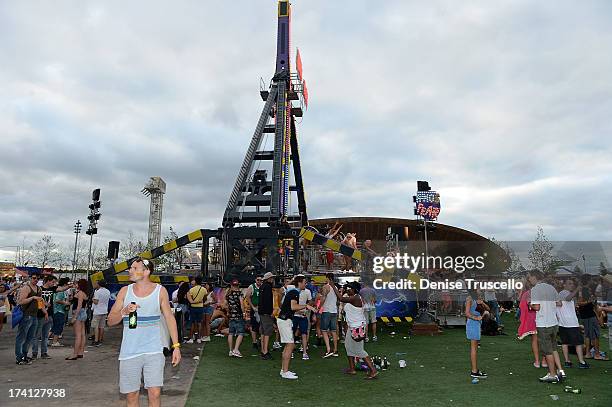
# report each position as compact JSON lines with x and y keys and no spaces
{"x":301,"y":321}
{"x":141,"y":354}
{"x":100,"y":311}
{"x":569,"y":329}
{"x":329,"y":316}
{"x":237,"y":324}
{"x":266,"y":307}
{"x":285,"y":323}
{"x":544,"y":300}
{"x":368,"y":295}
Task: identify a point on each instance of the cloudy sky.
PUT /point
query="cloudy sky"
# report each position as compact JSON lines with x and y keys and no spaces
{"x":503,"y":106}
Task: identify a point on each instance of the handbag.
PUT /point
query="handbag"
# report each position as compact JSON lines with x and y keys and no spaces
{"x":17,"y":316}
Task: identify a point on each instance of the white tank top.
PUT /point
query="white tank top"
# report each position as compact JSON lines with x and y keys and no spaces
{"x":146,"y":338}
{"x":330,"y":302}
{"x":354,"y":315}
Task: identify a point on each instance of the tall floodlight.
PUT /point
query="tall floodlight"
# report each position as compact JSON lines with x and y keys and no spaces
{"x":93,"y":218}
{"x":155,"y":188}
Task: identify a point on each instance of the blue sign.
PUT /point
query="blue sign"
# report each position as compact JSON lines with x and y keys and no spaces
{"x":428,"y":204}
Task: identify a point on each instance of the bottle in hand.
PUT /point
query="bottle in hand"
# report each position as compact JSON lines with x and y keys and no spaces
{"x":133,"y":318}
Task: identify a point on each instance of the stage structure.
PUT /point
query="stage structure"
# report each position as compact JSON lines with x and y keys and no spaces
{"x":258,"y":224}
{"x":257,"y":215}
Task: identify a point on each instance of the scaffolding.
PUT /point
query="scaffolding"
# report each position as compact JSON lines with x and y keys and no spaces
{"x":155,"y":188}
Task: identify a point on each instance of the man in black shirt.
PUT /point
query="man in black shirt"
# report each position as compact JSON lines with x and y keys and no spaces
{"x":236,"y":318}
{"x":45,"y":319}
{"x":285,"y":322}
{"x":265,"y":314}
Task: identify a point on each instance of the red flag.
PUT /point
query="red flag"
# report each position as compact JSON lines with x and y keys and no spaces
{"x":298,"y":64}
{"x":305,"y":93}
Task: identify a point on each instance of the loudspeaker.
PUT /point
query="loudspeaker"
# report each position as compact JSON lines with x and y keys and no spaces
{"x":95,"y":195}
{"x":113,"y":250}
{"x":423,"y":186}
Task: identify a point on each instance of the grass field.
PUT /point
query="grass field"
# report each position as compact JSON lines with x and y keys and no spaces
{"x":437,"y":374}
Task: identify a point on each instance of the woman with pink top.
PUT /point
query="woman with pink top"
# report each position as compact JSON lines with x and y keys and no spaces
{"x":528,"y":324}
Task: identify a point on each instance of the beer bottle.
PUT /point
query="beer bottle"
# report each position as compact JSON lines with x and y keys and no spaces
{"x":133,"y":318}
{"x":571,"y":390}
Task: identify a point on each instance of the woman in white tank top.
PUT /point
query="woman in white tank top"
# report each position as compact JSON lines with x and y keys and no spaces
{"x":354,"y":338}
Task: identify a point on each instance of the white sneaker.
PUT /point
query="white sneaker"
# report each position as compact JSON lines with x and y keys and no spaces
{"x":231,"y":353}
{"x":289,"y":375}
{"x":199,"y":340}
{"x":276,"y":345}
{"x":237,"y":353}
{"x":189,"y":341}
{"x":206,"y":339}
{"x":56,"y":345}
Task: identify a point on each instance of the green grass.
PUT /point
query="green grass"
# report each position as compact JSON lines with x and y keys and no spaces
{"x":437,"y":374}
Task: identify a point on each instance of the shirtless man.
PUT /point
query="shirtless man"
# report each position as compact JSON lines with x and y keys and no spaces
{"x":351,"y":241}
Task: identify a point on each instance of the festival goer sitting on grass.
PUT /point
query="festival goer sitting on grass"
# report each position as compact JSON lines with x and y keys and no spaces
{"x":355,"y":333}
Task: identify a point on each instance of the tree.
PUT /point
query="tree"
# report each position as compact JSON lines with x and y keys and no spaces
{"x":99,"y":259}
{"x":540,"y":255}
{"x":131,"y":246}
{"x":174,"y":259}
{"x":46,"y":251}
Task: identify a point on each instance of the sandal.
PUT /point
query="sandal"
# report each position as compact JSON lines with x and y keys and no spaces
{"x":73,"y":358}
{"x":368,"y":377}
{"x":349,"y":372}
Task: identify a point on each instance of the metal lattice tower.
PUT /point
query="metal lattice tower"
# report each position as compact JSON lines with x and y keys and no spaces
{"x":156,"y":188}
{"x":256,"y":188}
{"x":258,"y":213}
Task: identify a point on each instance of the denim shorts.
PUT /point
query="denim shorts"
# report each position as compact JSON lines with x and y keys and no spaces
{"x":196,"y":314}
{"x":208,"y":310}
{"x":300,"y":323}
{"x":328,"y":321}
{"x":82,"y":316}
{"x":236,"y":327}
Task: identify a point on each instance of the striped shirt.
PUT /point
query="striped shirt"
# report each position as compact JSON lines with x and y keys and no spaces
{"x":146,"y":338}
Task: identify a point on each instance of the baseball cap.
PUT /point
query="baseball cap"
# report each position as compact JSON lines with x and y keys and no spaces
{"x":268,"y":275}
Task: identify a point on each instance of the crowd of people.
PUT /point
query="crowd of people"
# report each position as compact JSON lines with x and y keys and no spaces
{"x":302,"y":307}
{"x":551,"y":311}
{"x":42,"y":306}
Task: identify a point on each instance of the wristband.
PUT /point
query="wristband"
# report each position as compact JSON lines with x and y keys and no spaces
{"x":176,"y":345}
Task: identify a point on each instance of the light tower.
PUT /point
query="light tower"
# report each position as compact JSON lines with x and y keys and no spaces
{"x":156,"y":188}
